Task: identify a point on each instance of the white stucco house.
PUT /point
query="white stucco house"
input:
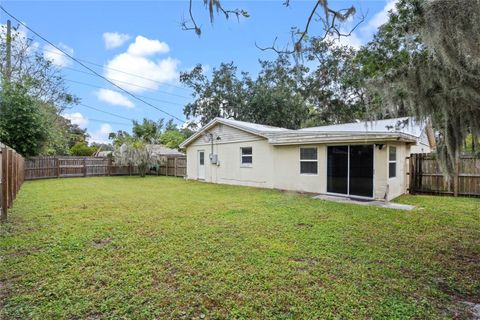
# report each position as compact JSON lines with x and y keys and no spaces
{"x":363,"y":160}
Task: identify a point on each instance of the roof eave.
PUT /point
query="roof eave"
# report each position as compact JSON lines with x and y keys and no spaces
{"x":341,"y":139}
{"x":185,"y":143}
{"x":193,"y":137}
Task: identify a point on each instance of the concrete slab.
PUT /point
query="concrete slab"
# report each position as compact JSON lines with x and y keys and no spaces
{"x":375,"y":203}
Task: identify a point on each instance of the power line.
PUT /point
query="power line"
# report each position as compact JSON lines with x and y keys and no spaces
{"x":88,"y":68}
{"x":124,"y":72}
{"x":130,"y":84}
{"x":100,"y":87}
{"x":100,"y":120}
{"x":106,"y":112}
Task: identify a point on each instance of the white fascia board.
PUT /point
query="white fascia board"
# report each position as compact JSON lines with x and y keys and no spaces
{"x":185,"y":143}
{"x":311,"y":139}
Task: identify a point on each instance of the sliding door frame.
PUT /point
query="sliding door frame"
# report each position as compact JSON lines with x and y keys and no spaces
{"x":348,"y":195}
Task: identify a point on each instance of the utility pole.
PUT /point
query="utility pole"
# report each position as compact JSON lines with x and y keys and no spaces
{"x":8,"y":42}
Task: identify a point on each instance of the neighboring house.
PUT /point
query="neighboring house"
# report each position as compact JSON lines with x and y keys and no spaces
{"x":156,"y":149}
{"x":364,"y":159}
{"x":103,"y":154}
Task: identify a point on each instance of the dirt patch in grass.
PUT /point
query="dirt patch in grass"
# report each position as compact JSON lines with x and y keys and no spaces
{"x":304,"y":225}
{"x":100,"y":243}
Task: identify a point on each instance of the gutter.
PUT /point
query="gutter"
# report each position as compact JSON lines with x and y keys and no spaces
{"x":335,"y":138}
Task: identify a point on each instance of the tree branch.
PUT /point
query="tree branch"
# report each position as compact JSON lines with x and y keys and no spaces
{"x":330,"y":26}
{"x":211,"y":4}
{"x":195,"y":27}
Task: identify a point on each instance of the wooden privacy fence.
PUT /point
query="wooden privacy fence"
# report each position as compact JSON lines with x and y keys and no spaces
{"x":426,"y":176}
{"x":11,"y":178}
{"x":65,"y":167}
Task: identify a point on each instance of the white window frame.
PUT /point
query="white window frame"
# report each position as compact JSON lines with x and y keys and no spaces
{"x":392,"y":161}
{"x":242,"y":164}
{"x":307,"y":160}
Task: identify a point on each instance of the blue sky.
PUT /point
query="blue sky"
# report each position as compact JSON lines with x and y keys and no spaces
{"x":133,"y":43}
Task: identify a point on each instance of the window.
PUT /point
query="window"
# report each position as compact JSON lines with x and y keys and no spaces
{"x":308,"y":161}
{"x":202,"y":158}
{"x":246,"y":156}
{"x":392,"y":162}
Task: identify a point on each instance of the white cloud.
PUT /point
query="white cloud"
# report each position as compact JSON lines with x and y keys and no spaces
{"x":136,"y":71}
{"x":147,"y":47}
{"x":114,"y":39}
{"x":57,"y":57}
{"x":77,"y":118}
{"x":380,"y":17}
{"x":114,"y":98}
{"x":101,"y":135}
{"x":353,"y":41}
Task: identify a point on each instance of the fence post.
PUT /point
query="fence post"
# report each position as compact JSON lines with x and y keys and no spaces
{"x":84,"y":167}
{"x":109,"y":166}
{"x":420,"y":171}
{"x":14,"y":176}
{"x":4,"y":204}
{"x":411,"y":173}
{"x":10,"y":177}
{"x":175,"y":166}
{"x":57,"y":162}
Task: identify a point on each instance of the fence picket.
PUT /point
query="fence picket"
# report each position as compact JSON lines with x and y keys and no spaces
{"x":11,"y":178}
{"x":426,"y":176}
{"x":61,"y":167}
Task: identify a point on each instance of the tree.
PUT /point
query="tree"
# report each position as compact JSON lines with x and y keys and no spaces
{"x":172,"y":138}
{"x":419,"y":71}
{"x":276,"y":97}
{"x":451,"y":29}
{"x":272,"y":99}
{"x":334,"y":89}
{"x":222,"y":96}
{"x":330,"y":19}
{"x":41,"y":91}
{"x":32,"y":71}
{"x":149,"y":130}
{"x":284,"y":94}
{"x":82,"y":149}
{"x":75,"y":134}
{"x":152,"y":132}
{"x":22,"y":121}
{"x":120,"y":137}
{"x":136,"y":153}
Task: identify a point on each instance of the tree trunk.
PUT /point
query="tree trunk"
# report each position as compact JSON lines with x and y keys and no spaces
{"x":456,"y":173}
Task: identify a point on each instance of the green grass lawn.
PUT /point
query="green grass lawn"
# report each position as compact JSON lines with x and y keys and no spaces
{"x":157,"y":247}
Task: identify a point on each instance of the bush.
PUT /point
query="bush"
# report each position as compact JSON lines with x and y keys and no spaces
{"x":81,"y":149}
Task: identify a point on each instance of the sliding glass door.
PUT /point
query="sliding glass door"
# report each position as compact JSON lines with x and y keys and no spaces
{"x":337,"y":166}
{"x":350,"y":170}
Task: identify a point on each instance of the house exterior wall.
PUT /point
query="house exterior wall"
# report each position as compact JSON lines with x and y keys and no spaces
{"x":288,"y":177}
{"x":228,"y":134}
{"x":230,"y":170}
{"x":279,"y":166}
{"x":385,"y":187}
{"x":286,"y":165}
{"x":422,"y":146}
